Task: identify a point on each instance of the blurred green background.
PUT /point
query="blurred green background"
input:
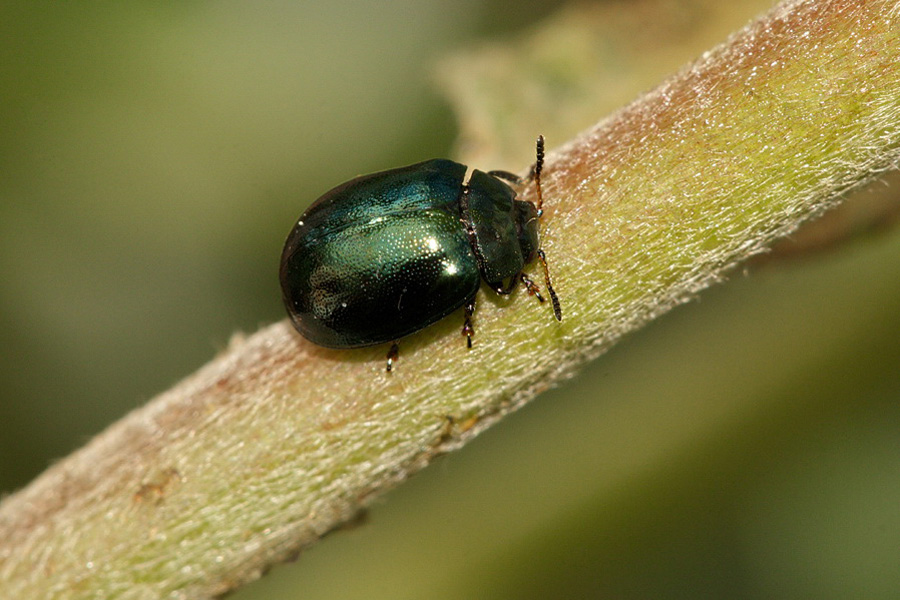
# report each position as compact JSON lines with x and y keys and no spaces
{"x":154,"y":156}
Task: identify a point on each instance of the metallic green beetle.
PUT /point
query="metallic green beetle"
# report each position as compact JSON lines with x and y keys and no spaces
{"x":387,"y":254}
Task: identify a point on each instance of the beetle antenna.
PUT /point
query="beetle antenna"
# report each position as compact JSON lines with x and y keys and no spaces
{"x":536,"y":173}
{"x":557,"y":311}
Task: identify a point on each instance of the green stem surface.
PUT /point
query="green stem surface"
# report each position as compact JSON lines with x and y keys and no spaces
{"x":276,"y":441}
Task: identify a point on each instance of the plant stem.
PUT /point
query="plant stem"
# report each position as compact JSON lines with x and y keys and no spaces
{"x":276,"y":441}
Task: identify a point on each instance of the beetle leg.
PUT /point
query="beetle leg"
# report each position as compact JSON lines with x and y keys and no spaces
{"x":467,"y":329}
{"x":392,"y":355}
{"x":510,"y":177}
{"x":533,"y":289}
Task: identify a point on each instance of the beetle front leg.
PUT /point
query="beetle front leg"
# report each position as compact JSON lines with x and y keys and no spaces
{"x":533,"y":289}
{"x":467,"y":329}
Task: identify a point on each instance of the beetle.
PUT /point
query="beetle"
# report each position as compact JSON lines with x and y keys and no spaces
{"x":387,"y":254}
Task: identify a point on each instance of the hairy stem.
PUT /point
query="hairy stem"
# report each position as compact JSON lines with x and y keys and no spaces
{"x":276,"y":441}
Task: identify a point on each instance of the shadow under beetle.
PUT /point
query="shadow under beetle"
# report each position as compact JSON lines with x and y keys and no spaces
{"x":385,"y":255}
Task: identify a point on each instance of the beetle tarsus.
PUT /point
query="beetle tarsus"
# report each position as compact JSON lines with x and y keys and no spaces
{"x":533,"y":289}
{"x":392,"y":355}
{"x":467,"y":329}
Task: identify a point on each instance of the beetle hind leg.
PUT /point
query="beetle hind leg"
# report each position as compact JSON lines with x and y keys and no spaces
{"x":467,"y":329}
